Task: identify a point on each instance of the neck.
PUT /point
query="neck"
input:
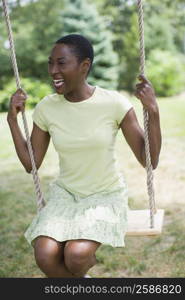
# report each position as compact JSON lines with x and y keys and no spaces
{"x":82,"y":92}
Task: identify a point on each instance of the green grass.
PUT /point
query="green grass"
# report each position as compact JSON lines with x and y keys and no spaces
{"x":162,"y":256}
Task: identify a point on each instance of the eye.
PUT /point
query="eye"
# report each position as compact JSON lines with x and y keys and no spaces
{"x":49,"y":62}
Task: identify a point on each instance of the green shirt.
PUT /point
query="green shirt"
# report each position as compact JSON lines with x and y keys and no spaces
{"x":84,"y":135}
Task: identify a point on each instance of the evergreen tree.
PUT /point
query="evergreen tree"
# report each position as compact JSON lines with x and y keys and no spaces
{"x":82,"y":18}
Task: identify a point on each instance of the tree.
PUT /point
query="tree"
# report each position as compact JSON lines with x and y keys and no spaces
{"x":82,"y":18}
{"x":111,"y":26}
{"x":35,"y":28}
{"x":164,"y":23}
{"x":166,"y":72}
{"x":37,"y":35}
{"x":130,"y":56}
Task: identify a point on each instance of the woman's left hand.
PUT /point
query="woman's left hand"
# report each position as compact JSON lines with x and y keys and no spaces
{"x":146,"y":93}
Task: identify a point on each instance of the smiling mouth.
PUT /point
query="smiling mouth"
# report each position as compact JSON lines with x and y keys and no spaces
{"x":58,"y":82}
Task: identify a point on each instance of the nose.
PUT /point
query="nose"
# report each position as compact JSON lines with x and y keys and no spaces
{"x":53,"y":69}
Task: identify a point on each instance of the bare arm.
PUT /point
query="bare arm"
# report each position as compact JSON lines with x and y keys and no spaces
{"x":134,"y":134}
{"x":39,"y":139}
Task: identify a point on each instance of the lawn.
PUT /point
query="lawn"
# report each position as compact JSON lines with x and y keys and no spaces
{"x":162,"y":256}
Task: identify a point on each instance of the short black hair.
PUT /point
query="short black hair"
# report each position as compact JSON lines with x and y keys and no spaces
{"x":80,"y":46}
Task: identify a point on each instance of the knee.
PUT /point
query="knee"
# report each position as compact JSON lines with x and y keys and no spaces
{"x":46,"y":253}
{"x":78,"y":259}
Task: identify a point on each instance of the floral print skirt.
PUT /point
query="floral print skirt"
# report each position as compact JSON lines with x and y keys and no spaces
{"x":101,"y":217}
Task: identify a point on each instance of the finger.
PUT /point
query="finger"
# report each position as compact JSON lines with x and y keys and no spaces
{"x":18,"y":97}
{"x":144,"y":88}
{"x":21,"y":92}
{"x":139,"y":85}
{"x":142,"y":85}
{"x":143,"y":79}
{"x":23,"y":95}
{"x":139,"y":94}
{"x":19,"y":102}
{"x":141,"y":89}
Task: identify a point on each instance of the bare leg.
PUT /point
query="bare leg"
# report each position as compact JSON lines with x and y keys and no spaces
{"x":71,"y":259}
{"x":49,"y":256}
{"x":79,"y":255}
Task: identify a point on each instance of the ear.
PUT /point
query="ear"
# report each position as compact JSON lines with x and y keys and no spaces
{"x":86,"y":65}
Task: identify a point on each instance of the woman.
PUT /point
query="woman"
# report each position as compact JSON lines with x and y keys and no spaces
{"x":87,"y":206}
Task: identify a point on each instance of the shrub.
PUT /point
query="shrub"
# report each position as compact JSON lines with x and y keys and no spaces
{"x":166,"y":72}
{"x":35,"y":89}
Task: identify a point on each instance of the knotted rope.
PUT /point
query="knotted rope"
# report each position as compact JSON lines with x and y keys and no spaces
{"x":149,"y":168}
{"x":40,"y":198}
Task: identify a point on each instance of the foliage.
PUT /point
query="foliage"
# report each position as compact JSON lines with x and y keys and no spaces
{"x":111,"y":25}
{"x":35,"y":37}
{"x":83,"y":18}
{"x":129,"y":67}
{"x":158,"y":34}
{"x":35,"y":29}
{"x":34,"y":88}
{"x":166,"y":72}
{"x":173,"y":14}
{"x":164,"y":23}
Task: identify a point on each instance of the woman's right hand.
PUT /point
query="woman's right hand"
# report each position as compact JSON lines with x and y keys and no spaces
{"x":17,"y":104}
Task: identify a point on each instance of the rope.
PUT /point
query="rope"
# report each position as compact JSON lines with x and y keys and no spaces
{"x":149,"y":168}
{"x":40,"y":200}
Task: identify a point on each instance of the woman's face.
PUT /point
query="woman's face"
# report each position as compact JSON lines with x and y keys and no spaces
{"x":63,"y":66}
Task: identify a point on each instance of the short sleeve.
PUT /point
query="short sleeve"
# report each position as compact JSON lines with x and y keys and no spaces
{"x":38,"y":117}
{"x":123,"y":105}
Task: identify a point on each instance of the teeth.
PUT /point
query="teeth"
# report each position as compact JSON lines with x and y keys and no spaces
{"x":58,"y":80}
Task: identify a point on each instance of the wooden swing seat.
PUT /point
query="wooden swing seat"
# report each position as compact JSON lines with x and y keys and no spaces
{"x":139,"y":223}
